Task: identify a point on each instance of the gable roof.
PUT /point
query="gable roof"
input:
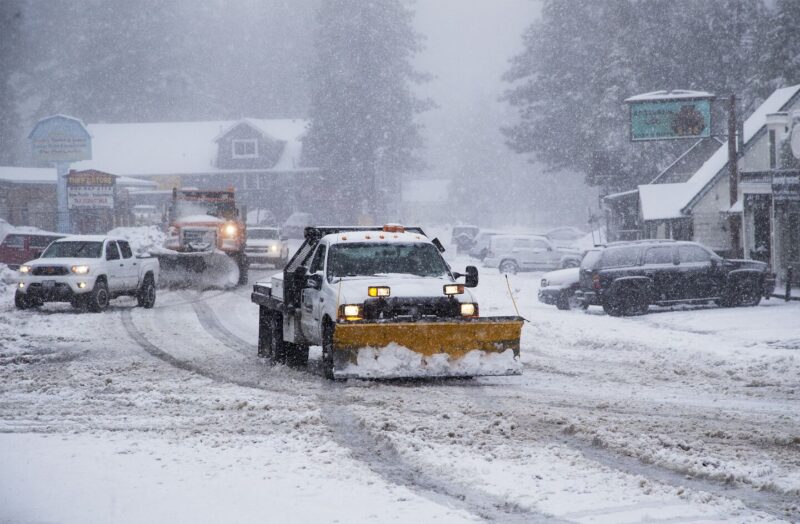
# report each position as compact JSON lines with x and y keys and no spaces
{"x":676,"y":200}
{"x":182,"y":148}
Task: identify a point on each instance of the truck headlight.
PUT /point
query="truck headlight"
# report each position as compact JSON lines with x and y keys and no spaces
{"x":350,"y":312}
{"x":469,"y":310}
{"x":230,"y":230}
{"x":24,"y":269}
{"x":80,"y":270}
{"x":453,"y":289}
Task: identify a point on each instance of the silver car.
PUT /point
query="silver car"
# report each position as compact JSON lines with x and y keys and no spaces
{"x":513,"y":253}
{"x":266,"y":246}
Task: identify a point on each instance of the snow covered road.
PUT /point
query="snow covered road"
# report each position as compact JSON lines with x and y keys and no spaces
{"x":139,"y":415}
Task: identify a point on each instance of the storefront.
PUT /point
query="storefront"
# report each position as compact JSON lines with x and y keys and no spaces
{"x":786,"y":205}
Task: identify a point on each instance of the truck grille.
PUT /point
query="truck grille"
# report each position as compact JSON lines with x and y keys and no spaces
{"x":50,"y":271}
{"x":414,"y":308}
{"x":199,"y":239}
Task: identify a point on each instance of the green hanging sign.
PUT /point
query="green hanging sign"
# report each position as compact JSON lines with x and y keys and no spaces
{"x":669,"y":115}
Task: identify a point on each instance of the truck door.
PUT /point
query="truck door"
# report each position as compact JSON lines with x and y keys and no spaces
{"x":116,"y":267}
{"x":131,"y":265}
{"x":312,"y":297}
{"x":540,"y":254}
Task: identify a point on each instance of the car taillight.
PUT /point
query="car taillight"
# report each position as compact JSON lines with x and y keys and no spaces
{"x":596,"y":281}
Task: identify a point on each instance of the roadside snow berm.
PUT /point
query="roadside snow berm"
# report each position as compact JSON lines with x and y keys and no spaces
{"x":382,"y":303}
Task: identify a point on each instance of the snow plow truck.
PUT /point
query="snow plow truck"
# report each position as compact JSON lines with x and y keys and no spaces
{"x":206,"y":234}
{"x":382,"y":303}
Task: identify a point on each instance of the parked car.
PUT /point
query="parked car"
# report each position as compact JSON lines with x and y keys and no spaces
{"x":463,"y":237}
{"x":513,"y":253}
{"x":296,"y":224}
{"x":558,"y":288}
{"x":266,"y":246}
{"x":482,"y":243}
{"x":19,"y":247}
{"x":625,"y":278}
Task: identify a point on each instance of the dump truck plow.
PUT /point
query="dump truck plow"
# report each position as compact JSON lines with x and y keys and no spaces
{"x":430,"y":348}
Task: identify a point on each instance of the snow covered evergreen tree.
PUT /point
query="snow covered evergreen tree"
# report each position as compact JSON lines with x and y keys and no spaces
{"x":582,"y":59}
{"x":363,"y":133}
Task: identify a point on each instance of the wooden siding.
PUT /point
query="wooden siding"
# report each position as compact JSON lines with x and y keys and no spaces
{"x":269,"y":151}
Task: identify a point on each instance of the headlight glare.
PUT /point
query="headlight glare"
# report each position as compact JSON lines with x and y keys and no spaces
{"x":469,"y":310}
{"x":453,"y":289}
{"x":379,"y":291}
{"x":350,"y":312}
{"x":80,"y":270}
{"x":230,"y":230}
{"x":24,"y":269}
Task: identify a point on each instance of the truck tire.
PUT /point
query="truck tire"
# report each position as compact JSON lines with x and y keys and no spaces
{"x":97,"y":300}
{"x":146,"y":297}
{"x":327,"y":350}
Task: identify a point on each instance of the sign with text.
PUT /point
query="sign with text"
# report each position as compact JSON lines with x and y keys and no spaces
{"x":90,"y":189}
{"x":670,"y":119}
{"x":60,"y":139}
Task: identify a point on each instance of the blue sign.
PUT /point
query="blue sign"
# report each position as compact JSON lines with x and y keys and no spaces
{"x":60,"y":139}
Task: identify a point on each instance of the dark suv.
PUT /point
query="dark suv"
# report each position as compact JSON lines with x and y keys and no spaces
{"x":626,"y":277}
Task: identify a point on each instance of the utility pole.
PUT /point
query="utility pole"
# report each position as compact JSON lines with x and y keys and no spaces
{"x":733,"y":174}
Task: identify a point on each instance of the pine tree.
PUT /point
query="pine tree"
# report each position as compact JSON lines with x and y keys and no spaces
{"x":363,"y":133}
{"x":10,"y":23}
{"x":583,"y":58}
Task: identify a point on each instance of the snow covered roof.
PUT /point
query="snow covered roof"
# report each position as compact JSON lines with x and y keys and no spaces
{"x":663,"y":201}
{"x":434,"y":190}
{"x":180,"y":148}
{"x":677,"y":94}
{"x":47,"y":175}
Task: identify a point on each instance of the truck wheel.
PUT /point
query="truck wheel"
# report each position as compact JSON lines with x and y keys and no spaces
{"x":327,"y":350}
{"x":21,"y":300}
{"x":146,"y":297}
{"x":98,"y":298}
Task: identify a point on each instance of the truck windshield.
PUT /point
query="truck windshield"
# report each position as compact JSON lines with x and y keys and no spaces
{"x":224,"y":209}
{"x":368,"y":259}
{"x":74,"y":250}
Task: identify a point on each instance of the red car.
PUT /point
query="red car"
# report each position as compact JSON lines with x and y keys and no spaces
{"x":17,"y":247}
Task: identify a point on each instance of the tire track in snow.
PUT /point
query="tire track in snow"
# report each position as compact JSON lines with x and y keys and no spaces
{"x":211,"y":323}
{"x":383,"y":458}
{"x":774,"y":503}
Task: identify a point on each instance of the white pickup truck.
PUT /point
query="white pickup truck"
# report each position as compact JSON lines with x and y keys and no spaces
{"x":87,"y":271}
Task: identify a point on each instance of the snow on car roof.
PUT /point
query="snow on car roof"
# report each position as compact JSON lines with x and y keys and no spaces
{"x":87,"y":238}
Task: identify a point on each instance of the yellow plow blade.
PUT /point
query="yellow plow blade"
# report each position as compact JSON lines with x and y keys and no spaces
{"x":468,"y":347}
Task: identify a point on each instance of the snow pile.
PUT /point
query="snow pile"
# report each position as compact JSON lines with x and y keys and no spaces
{"x":396,"y":361}
{"x":8,"y":276}
{"x":143,"y":239}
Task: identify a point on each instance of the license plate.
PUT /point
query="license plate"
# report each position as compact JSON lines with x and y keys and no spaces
{"x":49,"y":284}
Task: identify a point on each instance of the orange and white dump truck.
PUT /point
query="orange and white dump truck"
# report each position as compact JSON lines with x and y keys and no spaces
{"x":206,"y":231}
{"x":382,"y":303}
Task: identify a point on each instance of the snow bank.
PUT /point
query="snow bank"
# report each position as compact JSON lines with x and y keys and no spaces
{"x":143,"y":239}
{"x":394,"y":361}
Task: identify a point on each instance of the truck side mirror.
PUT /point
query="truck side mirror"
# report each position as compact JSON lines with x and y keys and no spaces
{"x":314,"y":281}
{"x":472,"y":277}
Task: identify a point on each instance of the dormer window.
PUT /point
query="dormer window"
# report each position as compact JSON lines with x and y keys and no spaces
{"x":245,"y":148}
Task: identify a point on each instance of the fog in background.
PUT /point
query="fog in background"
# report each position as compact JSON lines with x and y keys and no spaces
{"x":183,"y":60}
{"x":468,"y":46}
